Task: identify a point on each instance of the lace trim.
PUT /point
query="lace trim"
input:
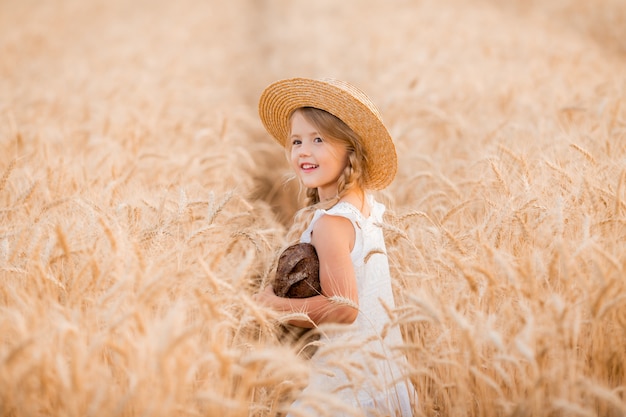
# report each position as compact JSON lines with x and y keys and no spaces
{"x":373,"y":204}
{"x":349,"y":206}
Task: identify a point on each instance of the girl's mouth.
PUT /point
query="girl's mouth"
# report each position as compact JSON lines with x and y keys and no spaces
{"x":308,"y":167}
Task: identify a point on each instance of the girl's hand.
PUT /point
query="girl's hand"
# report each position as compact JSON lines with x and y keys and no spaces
{"x":265,"y":297}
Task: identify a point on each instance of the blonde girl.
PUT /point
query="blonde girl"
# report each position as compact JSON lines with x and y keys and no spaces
{"x":340,"y":150}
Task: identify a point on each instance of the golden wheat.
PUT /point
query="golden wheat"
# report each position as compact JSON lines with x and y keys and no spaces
{"x":142,"y":204}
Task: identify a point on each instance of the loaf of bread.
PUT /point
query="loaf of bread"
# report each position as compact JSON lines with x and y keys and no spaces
{"x":297,"y":273}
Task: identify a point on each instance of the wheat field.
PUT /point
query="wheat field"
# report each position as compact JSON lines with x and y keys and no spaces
{"x":142,"y":203}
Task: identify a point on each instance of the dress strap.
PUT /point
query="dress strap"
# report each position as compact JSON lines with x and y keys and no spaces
{"x":341,"y":209}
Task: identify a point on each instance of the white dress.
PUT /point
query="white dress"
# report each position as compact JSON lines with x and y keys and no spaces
{"x":356,"y":370}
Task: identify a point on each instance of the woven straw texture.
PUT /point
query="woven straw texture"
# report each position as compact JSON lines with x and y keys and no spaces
{"x":346,"y":102}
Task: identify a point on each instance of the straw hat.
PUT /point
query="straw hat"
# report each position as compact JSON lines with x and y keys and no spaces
{"x":342,"y":100}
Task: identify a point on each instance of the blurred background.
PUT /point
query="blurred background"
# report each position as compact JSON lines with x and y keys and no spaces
{"x":213,"y":54}
{"x":142,"y":202}
{"x":441,"y":72}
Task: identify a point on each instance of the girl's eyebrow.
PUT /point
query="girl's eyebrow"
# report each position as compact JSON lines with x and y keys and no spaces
{"x":314,"y":133}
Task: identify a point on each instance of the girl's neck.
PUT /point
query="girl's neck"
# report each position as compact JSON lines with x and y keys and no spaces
{"x":358,"y":200}
{"x":327,"y":193}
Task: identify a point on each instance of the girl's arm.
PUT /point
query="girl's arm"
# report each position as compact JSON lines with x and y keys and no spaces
{"x":333,"y":238}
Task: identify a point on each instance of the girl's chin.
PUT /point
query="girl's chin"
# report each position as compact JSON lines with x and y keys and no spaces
{"x":308,"y":183}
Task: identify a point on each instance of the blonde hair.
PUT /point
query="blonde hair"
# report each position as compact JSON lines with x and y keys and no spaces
{"x":353,"y":176}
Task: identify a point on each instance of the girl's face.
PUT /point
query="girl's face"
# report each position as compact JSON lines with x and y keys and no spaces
{"x":317,"y":162}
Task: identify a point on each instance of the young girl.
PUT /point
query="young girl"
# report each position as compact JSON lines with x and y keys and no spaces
{"x":339,"y":149}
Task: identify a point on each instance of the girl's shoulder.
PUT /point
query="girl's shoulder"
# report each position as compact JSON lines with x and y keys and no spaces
{"x":349,"y":211}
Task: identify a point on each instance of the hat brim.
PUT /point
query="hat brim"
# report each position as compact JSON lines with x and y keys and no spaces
{"x":351,"y":105}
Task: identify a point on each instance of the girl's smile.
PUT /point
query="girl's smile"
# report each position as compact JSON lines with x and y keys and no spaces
{"x":308,"y":167}
{"x":317,"y":161}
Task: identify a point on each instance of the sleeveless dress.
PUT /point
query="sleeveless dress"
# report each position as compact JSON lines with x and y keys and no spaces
{"x":356,"y":371}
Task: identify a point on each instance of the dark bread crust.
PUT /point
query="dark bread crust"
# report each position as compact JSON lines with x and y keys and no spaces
{"x":297,"y":273}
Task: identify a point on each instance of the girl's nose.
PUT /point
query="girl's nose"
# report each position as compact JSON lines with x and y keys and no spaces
{"x":304,"y":149}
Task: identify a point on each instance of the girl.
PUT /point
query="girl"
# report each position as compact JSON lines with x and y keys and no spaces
{"x":339,"y":149}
